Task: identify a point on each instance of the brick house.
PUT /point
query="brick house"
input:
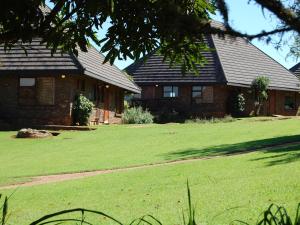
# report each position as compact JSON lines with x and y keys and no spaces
{"x":230,"y":69}
{"x":39,"y":89}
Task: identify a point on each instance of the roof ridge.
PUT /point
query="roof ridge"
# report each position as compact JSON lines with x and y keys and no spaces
{"x":295,"y":67}
{"x":221,"y":23}
{"x":76,"y":61}
{"x":142,"y":58}
{"x":289,"y":70}
{"x":92,"y":62}
{"x":113,"y":65}
{"x":219,"y":58}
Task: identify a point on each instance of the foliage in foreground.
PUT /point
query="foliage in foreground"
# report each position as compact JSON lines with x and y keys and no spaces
{"x":274,"y":215}
{"x":277,"y":215}
{"x":3,"y":208}
{"x":136,"y":115}
{"x":82,"y":110}
{"x":136,"y":27}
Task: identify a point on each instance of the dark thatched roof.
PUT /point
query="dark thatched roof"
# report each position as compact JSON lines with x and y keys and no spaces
{"x":234,"y":62}
{"x":36,"y":59}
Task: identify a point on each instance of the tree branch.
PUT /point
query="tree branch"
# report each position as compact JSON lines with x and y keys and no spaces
{"x":54,"y":12}
{"x":278,"y":8}
{"x":262,"y":34}
{"x":284,"y":14}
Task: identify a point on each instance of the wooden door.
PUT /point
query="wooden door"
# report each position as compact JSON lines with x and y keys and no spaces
{"x":272,"y":103}
{"x":106,"y":106}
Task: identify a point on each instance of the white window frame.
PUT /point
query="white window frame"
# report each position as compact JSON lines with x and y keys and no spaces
{"x":27,"y":82}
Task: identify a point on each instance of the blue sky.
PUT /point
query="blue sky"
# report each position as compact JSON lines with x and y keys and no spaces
{"x":247,"y":18}
{"x":250,"y":18}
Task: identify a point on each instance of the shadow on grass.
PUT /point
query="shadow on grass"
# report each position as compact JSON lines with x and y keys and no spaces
{"x":286,"y":154}
{"x":290,"y":152}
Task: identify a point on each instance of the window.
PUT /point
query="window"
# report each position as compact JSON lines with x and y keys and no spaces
{"x":36,"y":91}
{"x":27,"y":94}
{"x":289,"y":102}
{"x":27,"y":82}
{"x":170,"y":91}
{"x":202,"y":94}
{"x":197,"y":91}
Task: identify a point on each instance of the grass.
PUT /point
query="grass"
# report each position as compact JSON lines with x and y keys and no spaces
{"x":223,"y":189}
{"x":127,"y":145}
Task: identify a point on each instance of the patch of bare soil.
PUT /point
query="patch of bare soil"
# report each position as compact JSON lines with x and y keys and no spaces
{"x":274,"y":118}
{"x":73,"y":176}
{"x":141,"y":126}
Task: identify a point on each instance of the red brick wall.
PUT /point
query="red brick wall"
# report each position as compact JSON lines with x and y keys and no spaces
{"x":214,"y":102}
{"x":58,"y":114}
{"x":114,"y":94}
{"x":152,"y":98}
{"x":280,"y":100}
{"x":274,"y":105}
{"x":13,"y":112}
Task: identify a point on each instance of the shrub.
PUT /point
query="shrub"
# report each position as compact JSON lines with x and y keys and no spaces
{"x":136,"y":115}
{"x":82,"y":109}
{"x":238,"y":104}
{"x":259,"y":88}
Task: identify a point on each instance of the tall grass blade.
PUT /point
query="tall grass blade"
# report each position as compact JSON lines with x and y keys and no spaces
{"x":191,"y":209}
{"x":4,"y":211}
{"x":297,"y":219}
{"x":46,"y":218}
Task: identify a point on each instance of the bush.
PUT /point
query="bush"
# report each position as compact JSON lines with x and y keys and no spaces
{"x":136,"y":115}
{"x":259,"y":88}
{"x":82,"y":110}
{"x":238,"y":104}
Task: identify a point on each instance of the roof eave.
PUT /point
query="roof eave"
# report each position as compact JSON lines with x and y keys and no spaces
{"x":133,"y":88}
{"x":294,"y":68}
{"x":178,"y":82}
{"x":270,"y":87}
{"x":42,"y":72}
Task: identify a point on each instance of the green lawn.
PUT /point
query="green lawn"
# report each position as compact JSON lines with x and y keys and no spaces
{"x":122,"y":146}
{"x":223,"y":189}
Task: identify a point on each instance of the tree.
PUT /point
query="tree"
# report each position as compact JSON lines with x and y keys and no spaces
{"x":259,"y":88}
{"x":137,"y":26}
{"x":295,"y":48}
